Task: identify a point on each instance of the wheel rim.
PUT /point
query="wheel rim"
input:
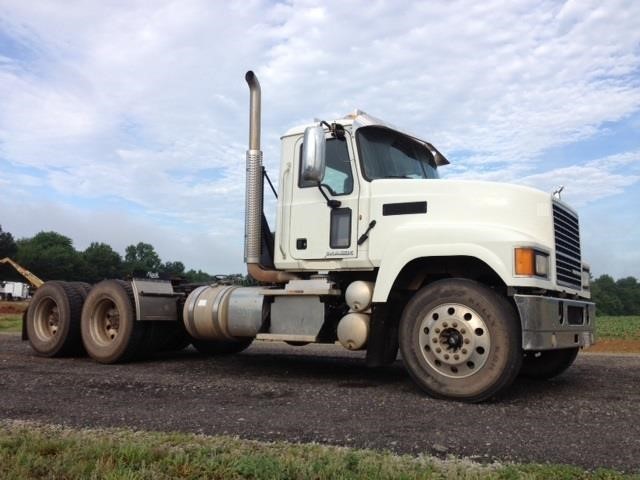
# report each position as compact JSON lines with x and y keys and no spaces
{"x":46,"y":319}
{"x":105,"y":323}
{"x":454,"y":340}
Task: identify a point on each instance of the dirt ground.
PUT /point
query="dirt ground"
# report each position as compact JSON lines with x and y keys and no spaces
{"x":587,"y":416}
{"x":617,"y":346}
{"x":12,"y":307}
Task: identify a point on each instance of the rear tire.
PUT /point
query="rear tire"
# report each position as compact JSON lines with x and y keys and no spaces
{"x":547,"y":363}
{"x":53,"y":320}
{"x":110,"y":332}
{"x":219,"y":348}
{"x":460,"y":340}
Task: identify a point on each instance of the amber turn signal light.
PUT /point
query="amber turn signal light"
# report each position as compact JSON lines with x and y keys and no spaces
{"x":525,"y":261}
{"x":531,"y":262}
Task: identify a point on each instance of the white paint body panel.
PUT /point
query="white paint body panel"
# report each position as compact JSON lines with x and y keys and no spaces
{"x":464,"y":218}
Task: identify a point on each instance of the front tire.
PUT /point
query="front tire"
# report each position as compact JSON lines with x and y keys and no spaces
{"x":547,"y":363}
{"x":460,"y":340}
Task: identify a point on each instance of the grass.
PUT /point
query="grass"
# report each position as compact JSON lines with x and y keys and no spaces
{"x":11,"y":315}
{"x":39,"y":451}
{"x":10,"y":323}
{"x":618,"y":328}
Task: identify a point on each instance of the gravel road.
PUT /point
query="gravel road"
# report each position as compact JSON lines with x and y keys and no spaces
{"x":589,"y":417}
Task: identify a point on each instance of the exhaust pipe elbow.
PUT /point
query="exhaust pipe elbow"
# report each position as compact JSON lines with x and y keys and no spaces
{"x":255,"y":110}
{"x":269,"y":276}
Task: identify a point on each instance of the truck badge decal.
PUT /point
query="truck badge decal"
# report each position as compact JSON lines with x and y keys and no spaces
{"x":339,"y":253}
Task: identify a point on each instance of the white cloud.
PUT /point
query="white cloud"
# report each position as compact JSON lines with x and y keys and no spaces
{"x":145,"y":101}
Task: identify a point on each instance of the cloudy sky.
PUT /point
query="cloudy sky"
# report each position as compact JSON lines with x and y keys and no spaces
{"x":126,"y":121}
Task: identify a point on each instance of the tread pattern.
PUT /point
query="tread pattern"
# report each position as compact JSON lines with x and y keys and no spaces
{"x":73,"y":343}
{"x":140,"y":332}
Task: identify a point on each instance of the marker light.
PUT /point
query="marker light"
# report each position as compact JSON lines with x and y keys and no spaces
{"x":530,"y":262}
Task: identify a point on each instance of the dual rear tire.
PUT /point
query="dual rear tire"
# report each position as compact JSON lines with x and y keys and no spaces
{"x":71,"y":318}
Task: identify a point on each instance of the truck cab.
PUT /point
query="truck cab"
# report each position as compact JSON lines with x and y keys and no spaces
{"x":384,"y":183}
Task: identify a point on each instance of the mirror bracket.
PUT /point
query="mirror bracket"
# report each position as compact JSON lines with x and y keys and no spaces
{"x":331,"y":203}
{"x":336,"y":129}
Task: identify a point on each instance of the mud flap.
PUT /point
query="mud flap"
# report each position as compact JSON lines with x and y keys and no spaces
{"x":382,"y":348}
{"x":25,"y":335}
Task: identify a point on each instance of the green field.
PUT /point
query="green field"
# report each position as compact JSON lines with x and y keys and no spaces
{"x":618,"y":328}
{"x":37,"y":451}
{"x":10,"y":323}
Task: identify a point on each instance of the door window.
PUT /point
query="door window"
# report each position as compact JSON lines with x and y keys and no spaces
{"x":338,"y":176}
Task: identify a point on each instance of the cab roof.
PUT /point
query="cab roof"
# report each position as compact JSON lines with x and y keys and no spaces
{"x":359,"y":119}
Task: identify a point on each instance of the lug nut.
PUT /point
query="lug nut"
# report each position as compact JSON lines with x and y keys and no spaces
{"x":463,"y":331}
{"x":438,"y":350}
{"x":455,"y":325}
{"x":445,"y":324}
{"x":457,"y":357}
{"x":446,"y":356}
{"x":435,"y":340}
{"x":437,"y":330}
{"x":466,"y":340}
{"x":464,"y":351}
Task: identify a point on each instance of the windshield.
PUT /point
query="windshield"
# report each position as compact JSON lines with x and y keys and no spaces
{"x":385,"y":153}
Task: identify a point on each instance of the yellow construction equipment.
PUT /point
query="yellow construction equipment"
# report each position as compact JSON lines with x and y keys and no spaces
{"x":31,"y":278}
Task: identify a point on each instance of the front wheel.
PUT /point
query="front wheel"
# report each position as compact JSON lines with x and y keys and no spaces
{"x":460,"y":340}
{"x":548,"y":363}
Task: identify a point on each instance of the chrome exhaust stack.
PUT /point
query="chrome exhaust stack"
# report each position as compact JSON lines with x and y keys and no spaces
{"x":253,"y":196}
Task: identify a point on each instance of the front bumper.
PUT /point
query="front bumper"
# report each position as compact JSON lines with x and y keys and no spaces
{"x":552,"y":323}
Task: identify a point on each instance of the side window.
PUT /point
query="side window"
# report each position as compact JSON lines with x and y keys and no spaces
{"x":338,"y":176}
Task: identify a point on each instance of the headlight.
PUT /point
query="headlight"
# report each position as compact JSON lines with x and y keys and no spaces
{"x":531,"y":262}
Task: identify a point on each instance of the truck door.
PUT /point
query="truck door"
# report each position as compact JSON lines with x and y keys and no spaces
{"x":318,"y":231}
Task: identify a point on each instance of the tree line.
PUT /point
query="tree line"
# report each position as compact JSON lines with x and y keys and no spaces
{"x":52,"y":256}
{"x":616,"y":297}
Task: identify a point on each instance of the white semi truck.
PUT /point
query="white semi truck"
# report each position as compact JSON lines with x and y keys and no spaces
{"x":474,"y":282}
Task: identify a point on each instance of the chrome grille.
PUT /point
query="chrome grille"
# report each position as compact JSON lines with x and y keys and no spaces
{"x":567,"y":236}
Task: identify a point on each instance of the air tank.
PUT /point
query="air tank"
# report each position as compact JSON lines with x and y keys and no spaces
{"x":358,"y":295}
{"x":353,"y":330}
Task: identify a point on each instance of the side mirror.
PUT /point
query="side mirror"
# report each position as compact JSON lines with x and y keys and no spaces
{"x":313,"y":154}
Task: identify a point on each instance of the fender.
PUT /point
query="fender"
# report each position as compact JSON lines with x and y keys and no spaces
{"x":491,"y":244}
